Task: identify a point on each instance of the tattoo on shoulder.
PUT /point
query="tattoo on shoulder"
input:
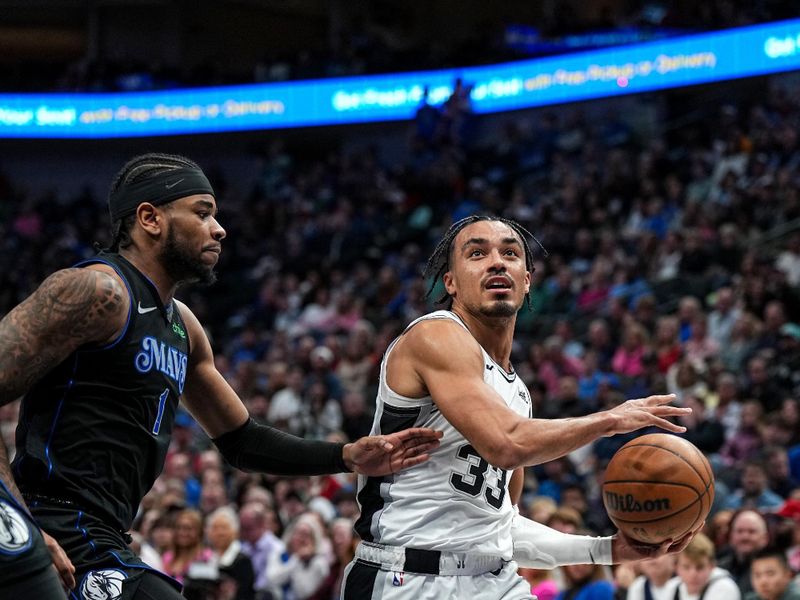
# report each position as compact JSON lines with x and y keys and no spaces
{"x":71,"y":308}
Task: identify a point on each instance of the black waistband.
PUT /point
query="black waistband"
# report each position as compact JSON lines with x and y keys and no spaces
{"x":34,"y":499}
{"x":31,"y":497}
{"x":424,"y":562}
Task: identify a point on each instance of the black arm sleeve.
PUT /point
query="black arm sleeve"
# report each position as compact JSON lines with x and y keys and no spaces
{"x":254,"y":447}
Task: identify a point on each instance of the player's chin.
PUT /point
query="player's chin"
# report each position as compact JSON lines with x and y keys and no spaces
{"x":500,"y":308}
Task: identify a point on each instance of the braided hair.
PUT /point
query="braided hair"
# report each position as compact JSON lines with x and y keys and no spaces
{"x":439,"y":262}
{"x":136,"y":169}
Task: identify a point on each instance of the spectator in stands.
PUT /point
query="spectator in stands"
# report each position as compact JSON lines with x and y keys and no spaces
{"x":627,"y":359}
{"x":343,"y":541}
{"x":259,"y":542}
{"x":686,"y":378}
{"x":586,"y":582}
{"x":741,"y":342}
{"x":655,"y":581}
{"x":703,"y":431}
{"x":700,"y":347}
{"x":790,"y":512}
{"x":779,"y":478}
{"x":187,"y":546}
{"x":746,"y":442}
{"x":297,"y":572}
{"x":222,"y":532}
{"x":788,"y":260}
{"x":748,"y":535}
{"x":667,"y":343}
{"x":723,"y":317}
{"x":772,"y":577}
{"x":356,"y":416}
{"x":761,"y":386}
{"x":599,"y":340}
{"x":698,"y":576}
{"x":556,"y":364}
{"x":689,"y":309}
{"x":724,"y":405}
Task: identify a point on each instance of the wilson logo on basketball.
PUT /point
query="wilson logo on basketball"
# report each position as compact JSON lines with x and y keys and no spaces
{"x":627,"y":503}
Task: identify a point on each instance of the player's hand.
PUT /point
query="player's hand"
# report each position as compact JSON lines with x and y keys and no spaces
{"x":65,"y":568}
{"x":647,"y":412}
{"x":385,"y":454}
{"x":625,"y":549}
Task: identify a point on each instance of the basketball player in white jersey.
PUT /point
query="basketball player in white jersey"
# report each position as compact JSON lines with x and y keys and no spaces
{"x":447,"y":529}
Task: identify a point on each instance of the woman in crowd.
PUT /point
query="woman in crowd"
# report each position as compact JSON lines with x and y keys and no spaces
{"x":187,"y":545}
{"x":299,"y":572}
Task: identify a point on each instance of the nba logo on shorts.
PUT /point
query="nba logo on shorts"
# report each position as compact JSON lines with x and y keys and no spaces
{"x":15,"y":536}
{"x":105,"y":584}
{"x":397,"y":578}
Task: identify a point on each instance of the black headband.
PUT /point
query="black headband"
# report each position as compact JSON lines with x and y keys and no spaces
{"x":158,"y":189}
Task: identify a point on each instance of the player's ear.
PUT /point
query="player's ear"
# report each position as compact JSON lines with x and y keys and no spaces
{"x":449,"y":284}
{"x":149,"y":218}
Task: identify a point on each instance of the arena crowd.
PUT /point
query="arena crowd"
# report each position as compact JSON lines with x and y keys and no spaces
{"x":673,"y":265}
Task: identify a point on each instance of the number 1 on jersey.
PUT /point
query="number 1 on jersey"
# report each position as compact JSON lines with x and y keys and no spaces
{"x":162,"y":401}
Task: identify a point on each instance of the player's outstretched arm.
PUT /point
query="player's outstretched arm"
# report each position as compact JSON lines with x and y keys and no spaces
{"x":440,"y":358}
{"x":538,"y":546}
{"x":250,"y":446}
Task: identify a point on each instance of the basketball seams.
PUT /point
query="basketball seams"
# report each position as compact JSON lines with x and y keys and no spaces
{"x":683,"y":458}
{"x":624,"y":467}
{"x":657,"y":481}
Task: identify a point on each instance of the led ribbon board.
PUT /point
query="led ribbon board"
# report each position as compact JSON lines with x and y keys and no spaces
{"x":675,"y":62}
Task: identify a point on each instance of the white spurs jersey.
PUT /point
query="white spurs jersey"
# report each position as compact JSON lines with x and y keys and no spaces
{"x":455,"y":501}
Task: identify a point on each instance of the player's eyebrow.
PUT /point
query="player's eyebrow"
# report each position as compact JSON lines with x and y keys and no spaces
{"x":483,"y":241}
{"x":474,"y":242}
{"x":207,"y":205}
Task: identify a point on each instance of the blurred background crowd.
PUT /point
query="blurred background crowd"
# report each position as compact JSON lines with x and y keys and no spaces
{"x":672,"y":264}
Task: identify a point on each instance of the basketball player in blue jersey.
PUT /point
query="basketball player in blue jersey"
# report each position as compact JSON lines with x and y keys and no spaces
{"x":448,"y":528}
{"x":102,"y":353}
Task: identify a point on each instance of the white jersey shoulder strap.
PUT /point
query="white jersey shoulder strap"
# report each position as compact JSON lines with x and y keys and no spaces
{"x":384,"y":390}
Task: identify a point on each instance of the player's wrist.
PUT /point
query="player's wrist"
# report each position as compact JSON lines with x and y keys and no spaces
{"x":607,"y":422}
{"x":347,"y":458}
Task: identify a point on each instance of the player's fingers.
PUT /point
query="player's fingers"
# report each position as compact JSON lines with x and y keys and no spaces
{"x":422,"y":443}
{"x":659,"y":399}
{"x":412,"y":461}
{"x":422,"y":448}
{"x":418,"y":433}
{"x":668,"y":425}
{"x":61,"y":561}
{"x":680,"y":544}
{"x":671,"y":411}
{"x":684,"y":541}
{"x":66,"y":571}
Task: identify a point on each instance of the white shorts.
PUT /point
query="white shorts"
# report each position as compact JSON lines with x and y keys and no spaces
{"x":364,"y":581}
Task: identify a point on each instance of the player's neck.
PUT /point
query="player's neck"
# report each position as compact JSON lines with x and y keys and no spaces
{"x":494,"y":334}
{"x":153,"y":270}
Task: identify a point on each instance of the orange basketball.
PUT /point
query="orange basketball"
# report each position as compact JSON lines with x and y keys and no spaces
{"x":658,"y":487}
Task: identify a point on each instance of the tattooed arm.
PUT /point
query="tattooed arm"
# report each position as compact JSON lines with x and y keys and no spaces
{"x":71,"y":308}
